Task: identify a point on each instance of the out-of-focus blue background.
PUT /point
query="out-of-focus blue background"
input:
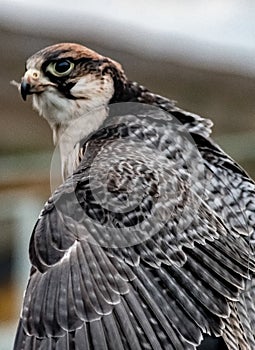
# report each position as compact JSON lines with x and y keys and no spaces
{"x":200,"y":53}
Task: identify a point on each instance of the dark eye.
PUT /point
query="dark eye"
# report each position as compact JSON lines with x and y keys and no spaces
{"x":60,"y":68}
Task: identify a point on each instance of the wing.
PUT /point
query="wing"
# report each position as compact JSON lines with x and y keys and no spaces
{"x":234,"y":198}
{"x":230,"y":192}
{"x":127,"y":254}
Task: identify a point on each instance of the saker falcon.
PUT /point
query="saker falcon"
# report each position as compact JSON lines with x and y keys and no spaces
{"x":146,"y":244}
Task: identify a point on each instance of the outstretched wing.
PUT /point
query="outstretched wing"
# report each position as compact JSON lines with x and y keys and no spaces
{"x":127,"y":254}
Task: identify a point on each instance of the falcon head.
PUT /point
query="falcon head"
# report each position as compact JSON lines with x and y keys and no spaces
{"x":69,"y":80}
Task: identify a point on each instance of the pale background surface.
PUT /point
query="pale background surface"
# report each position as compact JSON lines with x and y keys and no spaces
{"x":200,"y":53}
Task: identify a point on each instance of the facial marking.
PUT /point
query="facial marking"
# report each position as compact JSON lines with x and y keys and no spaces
{"x":67,"y":81}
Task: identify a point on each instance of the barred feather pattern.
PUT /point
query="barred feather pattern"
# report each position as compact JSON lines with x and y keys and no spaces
{"x":229,"y":190}
{"x":234,"y":198}
{"x":231,"y":193}
{"x":156,"y":276}
{"x":234,"y":334}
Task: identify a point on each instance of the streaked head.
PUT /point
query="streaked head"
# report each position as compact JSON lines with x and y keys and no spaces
{"x":68,"y":80}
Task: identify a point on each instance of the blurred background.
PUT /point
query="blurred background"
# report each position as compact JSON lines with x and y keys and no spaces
{"x":197,"y":52}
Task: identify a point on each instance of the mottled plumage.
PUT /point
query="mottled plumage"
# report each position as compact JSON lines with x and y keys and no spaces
{"x":145,"y":245}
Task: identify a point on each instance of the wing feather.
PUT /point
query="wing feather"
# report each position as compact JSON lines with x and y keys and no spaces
{"x":156,"y":276}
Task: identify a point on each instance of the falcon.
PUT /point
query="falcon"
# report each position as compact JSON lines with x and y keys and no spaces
{"x":146,"y":243}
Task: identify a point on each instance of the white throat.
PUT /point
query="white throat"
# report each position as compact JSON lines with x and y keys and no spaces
{"x":73,"y":119}
{"x":67,"y":137}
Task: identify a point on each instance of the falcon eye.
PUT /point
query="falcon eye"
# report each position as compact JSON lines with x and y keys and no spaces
{"x":60,"y":68}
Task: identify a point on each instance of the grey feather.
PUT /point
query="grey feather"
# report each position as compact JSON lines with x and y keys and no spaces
{"x":145,"y":245}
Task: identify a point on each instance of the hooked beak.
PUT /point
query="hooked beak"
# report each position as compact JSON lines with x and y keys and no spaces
{"x":30,"y":83}
{"x":25,"y":88}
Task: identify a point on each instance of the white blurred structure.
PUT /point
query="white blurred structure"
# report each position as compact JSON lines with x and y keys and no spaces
{"x":205,"y":32}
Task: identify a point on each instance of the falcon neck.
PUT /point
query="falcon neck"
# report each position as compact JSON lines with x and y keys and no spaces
{"x":134,"y":92}
{"x":68,"y":136}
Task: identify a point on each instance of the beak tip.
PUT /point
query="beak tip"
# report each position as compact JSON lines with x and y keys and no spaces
{"x":24,"y":90}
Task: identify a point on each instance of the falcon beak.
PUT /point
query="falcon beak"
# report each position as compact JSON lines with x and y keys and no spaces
{"x":29,"y":82}
{"x":24,"y":89}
